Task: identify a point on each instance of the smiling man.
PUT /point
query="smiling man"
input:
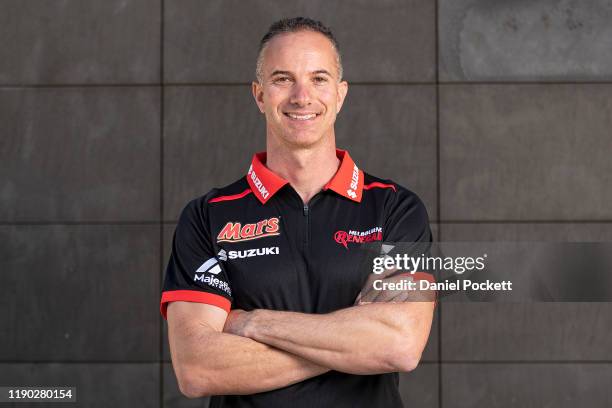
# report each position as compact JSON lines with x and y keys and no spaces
{"x":263,"y":291}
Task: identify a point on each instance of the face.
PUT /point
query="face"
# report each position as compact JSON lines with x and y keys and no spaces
{"x":300,"y":93}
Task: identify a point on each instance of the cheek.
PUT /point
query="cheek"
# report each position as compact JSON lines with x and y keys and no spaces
{"x":272,"y":99}
{"x":329,"y":97}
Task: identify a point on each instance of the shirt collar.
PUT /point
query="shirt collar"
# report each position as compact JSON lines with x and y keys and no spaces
{"x":348,"y":180}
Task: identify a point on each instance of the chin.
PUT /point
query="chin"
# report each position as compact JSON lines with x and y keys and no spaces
{"x":302,"y":139}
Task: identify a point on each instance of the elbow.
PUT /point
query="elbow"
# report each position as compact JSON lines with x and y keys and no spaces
{"x":406,"y":363}
{"x":194,"y":386}
{"x":190,"y":388}
{"x":404,"y":357}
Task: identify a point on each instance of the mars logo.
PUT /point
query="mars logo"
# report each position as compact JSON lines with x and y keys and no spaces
{"x":236,"y":232}
{"x":358,"y":237}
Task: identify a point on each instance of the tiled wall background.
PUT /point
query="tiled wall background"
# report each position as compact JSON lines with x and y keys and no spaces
{"x":114,"y":113}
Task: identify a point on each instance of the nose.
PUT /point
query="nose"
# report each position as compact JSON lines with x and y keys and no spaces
{"x":300,"y":94}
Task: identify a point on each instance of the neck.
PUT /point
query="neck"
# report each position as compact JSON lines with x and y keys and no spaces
{"x":306,"y":169}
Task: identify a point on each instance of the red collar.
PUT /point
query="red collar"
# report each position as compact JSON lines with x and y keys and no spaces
{"x":348,"y":180}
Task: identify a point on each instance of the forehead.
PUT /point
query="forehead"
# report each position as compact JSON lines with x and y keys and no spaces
{"x":303,"y":49}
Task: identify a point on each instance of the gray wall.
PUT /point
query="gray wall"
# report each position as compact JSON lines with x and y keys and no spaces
{"x":115,"y":113}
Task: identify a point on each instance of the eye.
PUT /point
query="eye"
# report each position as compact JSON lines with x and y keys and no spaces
{"x":282,"y":80}
{"x":320,"y":79}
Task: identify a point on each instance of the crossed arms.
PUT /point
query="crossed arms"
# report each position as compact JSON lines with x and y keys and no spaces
{"x":216,"y":353}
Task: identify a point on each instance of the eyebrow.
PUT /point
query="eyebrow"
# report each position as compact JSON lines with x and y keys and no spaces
{"x":322,"y":71}
{"x":277,"y":72}
{"x":319,"y":71}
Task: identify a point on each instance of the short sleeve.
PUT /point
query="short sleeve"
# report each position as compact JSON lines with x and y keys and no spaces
{"x":407,"y":229}
{"x":194,"y":273}
{"x":406,"y":219}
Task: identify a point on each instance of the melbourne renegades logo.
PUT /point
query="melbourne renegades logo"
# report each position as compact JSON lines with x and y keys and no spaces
{"x":236,"y":232}
{"x":358,"y":237}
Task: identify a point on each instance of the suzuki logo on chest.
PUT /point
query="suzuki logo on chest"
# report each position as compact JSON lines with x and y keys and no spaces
{"x":248,"y":253}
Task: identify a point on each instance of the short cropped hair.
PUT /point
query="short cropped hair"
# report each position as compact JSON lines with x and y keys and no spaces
{"x":294,"y":25}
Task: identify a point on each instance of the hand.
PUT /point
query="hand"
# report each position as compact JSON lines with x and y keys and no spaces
{"x":237,"y":322}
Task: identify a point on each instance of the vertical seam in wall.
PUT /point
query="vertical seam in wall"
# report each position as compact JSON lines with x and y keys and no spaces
{"x":438,"y":200}
{"x":161,"y":193}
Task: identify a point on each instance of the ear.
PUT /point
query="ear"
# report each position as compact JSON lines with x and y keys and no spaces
{"x":257,"y":90}
{"x":342,"y":91}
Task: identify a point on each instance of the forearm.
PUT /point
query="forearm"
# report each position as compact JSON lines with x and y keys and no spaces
{"x":214,"y":363}
{"x":366,"y":339}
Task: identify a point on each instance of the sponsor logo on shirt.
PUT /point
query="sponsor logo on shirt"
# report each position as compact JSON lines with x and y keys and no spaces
{"x":207,"y":272}
{"x":222,"y":255}
{"x":214,"y":282}
{"x":260,"y":187}
{"x":236,"y":232}
{"x":211,"y":266}
{"x":354,"y":182}
{"x":358,"y":237}
{"x":248,"y":253}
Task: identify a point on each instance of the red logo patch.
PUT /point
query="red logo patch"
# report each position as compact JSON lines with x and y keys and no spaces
{"x":236,"y":232}
{"x":358,"y":237}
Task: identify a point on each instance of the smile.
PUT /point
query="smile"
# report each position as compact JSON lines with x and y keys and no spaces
{"x":295,"y":116}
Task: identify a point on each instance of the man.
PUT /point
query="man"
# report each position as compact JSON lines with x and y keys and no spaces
{"x":261,"y":288}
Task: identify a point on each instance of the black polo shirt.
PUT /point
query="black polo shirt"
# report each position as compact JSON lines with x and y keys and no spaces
{"x":255,"y":245}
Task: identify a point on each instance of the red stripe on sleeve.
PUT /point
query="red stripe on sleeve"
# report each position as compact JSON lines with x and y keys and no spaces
{"x":193,"y":296}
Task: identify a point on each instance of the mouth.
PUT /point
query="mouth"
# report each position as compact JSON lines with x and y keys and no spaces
{"x":301,"y":116}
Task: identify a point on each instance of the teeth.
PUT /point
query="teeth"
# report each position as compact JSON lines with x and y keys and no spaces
{"x":301,"y":117}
